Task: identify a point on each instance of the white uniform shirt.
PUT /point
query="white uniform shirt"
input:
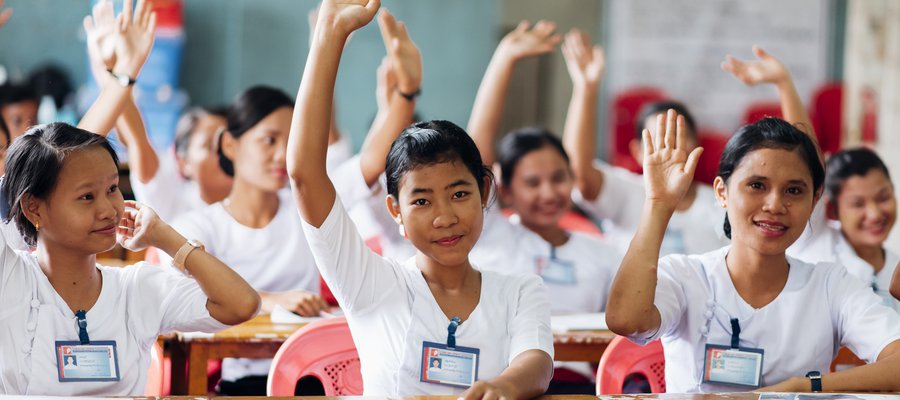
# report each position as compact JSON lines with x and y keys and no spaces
{"x":274,"y":258}
{"x":693,"y":231}
{"x":819,"y":310}
{"x":391,"y":311}
{"x":507,"y":246}
{"x":168,"y":193}
{"x":136,"y":305}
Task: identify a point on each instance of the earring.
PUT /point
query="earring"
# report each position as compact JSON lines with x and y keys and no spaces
{"x":402,"y":230}
{"x":37,"y":226}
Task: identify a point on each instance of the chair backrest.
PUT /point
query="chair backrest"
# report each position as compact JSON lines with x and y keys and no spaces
{"x":574,"y":222}
{"x":827,"y":106}
{"x":759,"y":110}
{"x":623,"y":359}
{"x":624,"y":109}
{"x":713,"y":144}
{"x":156,"y":375}
{"x":324,"y":350}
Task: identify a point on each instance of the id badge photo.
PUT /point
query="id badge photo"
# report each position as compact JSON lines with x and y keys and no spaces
{"x":741,"y":367}
{"x":93,"y":362}
{"x":457,"y":366}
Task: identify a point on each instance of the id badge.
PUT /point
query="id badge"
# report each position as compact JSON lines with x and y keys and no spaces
{"x":94,"y":362}
{"x":556,"y":271}
{"x":739,"y":367}
{"x":455,"y":367}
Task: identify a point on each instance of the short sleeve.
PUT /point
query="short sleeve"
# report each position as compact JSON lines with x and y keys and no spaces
{"x":172,"y":301}
{"x":357,"y":276}
{"x":162,"y":193}
{"x":620,"y":200}
{"x":669,"y":299}
{"x":864,"y":323}
{"x":350,"y":184}
{"x":12,"y":273}
{"x":530,"y":324}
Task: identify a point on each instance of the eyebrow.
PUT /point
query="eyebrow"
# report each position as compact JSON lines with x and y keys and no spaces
{"x":461,"y":182}
{"x":89,"y":184}
{"x":765,"y":178}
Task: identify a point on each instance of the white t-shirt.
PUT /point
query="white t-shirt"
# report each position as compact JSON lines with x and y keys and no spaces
{"x":12,"y":236}
{"x":274,"y":258}
{"x":338,"y":153}
{"x":168,"y":193}
{"x":391,"y":311}
{"x":136,"y":305}
{"x":820,"y":309}
{"x":577,"y":275}
{"x":693,"y":231}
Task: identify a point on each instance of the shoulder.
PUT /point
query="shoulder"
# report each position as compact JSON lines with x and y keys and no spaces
{"x":683,"y":265}
{"x":201,"y":219}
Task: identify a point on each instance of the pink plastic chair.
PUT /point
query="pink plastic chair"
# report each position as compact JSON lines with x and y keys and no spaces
{"x":624,"y":109}
{"x":759,"y":110}
{"x":623,"y":359}
{"x":156,"y":376}
{"x":324,"y":350}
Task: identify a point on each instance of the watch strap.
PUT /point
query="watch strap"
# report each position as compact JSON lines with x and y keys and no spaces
{"x":815,"y":380}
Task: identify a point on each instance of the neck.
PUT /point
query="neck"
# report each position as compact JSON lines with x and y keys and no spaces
{"x":758,"y":278}
{"x":250,"y":206}
{"x":450,"y":278}
{"x":553,"y":234}
{"x":210,"y":196}
{"x":74,"y":275}
{"x":688,"y":199}
{"x":873,"y":255}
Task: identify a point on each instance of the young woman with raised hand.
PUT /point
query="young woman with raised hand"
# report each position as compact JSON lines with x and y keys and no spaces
{"x":437,"y":303}
{"x":62,"y":185}
{"x":748,"y":307}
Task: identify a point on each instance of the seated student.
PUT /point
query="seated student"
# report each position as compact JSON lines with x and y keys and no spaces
{"x":18,"y":107}
{"x":748,"y":306}
{"x":399,"y":311}
{"x":615,"y":194}
{"x":62,"y":185}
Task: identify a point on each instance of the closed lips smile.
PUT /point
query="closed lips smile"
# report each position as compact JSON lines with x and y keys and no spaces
{"x":108,"y":230}
{"x":449,"y":240}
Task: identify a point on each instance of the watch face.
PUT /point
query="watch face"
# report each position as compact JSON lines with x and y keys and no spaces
{"x":123,"y":80}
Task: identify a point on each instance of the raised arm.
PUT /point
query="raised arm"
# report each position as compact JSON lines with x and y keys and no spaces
{"x":668,"y":171}
{"x":484,"y":122}
{"x":101,"y":30}
{"x":308,"y":141}
{"x":133,"y":39}
{"x":405,"y":70}
{"x":769,"y":70}
{"x":231,"y":299}
{"x":586,"y":65}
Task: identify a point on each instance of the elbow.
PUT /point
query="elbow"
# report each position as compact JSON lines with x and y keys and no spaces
{"x":623,"y":324}
{"x":246,"y":308}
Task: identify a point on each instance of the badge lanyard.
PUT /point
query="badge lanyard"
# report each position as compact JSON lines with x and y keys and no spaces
{"x":451,"y":332}
{"x":81,"y":315}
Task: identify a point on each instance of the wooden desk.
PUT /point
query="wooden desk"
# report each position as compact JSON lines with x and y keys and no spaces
{"x":261,"y":338}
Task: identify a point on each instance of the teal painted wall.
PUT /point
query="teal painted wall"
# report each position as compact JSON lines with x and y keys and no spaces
{"x":233,"y":44}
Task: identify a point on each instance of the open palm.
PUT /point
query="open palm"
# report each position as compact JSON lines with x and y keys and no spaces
{"x":523,"y":42}
{"x":767,"y":69}
{"x":668,"y":168}
{"x":406,"y":59}
{"x":346,"y":16}
{"x":134,"y":37}
{"x":585,"y":63}
{"x":100,"y":28}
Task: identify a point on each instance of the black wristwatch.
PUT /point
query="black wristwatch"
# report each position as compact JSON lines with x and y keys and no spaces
{"x":815,"y":380}
{"x":122,"y":79}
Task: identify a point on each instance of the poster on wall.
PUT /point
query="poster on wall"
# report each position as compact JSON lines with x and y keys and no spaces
{"x":678,"y":46}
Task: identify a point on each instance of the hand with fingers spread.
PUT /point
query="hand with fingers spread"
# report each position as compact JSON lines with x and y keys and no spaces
{"x":101,"y":29}
{"x":523,"y":42}
{"x":767,"y":69}
{"x":134,"y":37}
{"x":342,"y":17}
{"x":585,"y":63}
{"x":406,"y":60}
{"x":139,"y":227}
{"x":385,"y":84}
{"x":668,"y":167}
{"x":5,"y":15}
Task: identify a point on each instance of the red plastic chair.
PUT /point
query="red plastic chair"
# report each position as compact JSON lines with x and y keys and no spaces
{"x":623,"y":359}
{"x":713,"y":144}
{"x":827,"y":106}
{"x":624,"y":109}
{"x":324,"y":350}
{"x":575,"y":222}
{"x":759,"y":110}
{"x":156,"y":375}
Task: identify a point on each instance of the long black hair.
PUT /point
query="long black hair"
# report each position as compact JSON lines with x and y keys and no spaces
{"x":519,"y":143}
{"x":33,"y":164}
{"x":769,"y":133}
{"x":250,"y":107}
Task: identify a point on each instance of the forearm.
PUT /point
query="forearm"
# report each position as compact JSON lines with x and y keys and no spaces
{"x":580,"y":140}
{"x":527,"y":376}
{"x":101,"y":116}
{"x":794,"y":112}
{"x":630,"y":308}
{"x":334,"y":134}
{"x":880,"y":376}
{"x":231,"y":300}
{"x":143,"y":161}
{"x":384,"y":131}
{"x":487,"y":111}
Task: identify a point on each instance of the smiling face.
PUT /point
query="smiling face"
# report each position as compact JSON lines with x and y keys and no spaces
{"x":259,"y":155}
{"x":769,"y":198}
{"x":441,"y":210}
{"x":201,"y":163}
{"x":82,"y":211}
{"x":866,"y":208}
{"x":540,"y":188}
